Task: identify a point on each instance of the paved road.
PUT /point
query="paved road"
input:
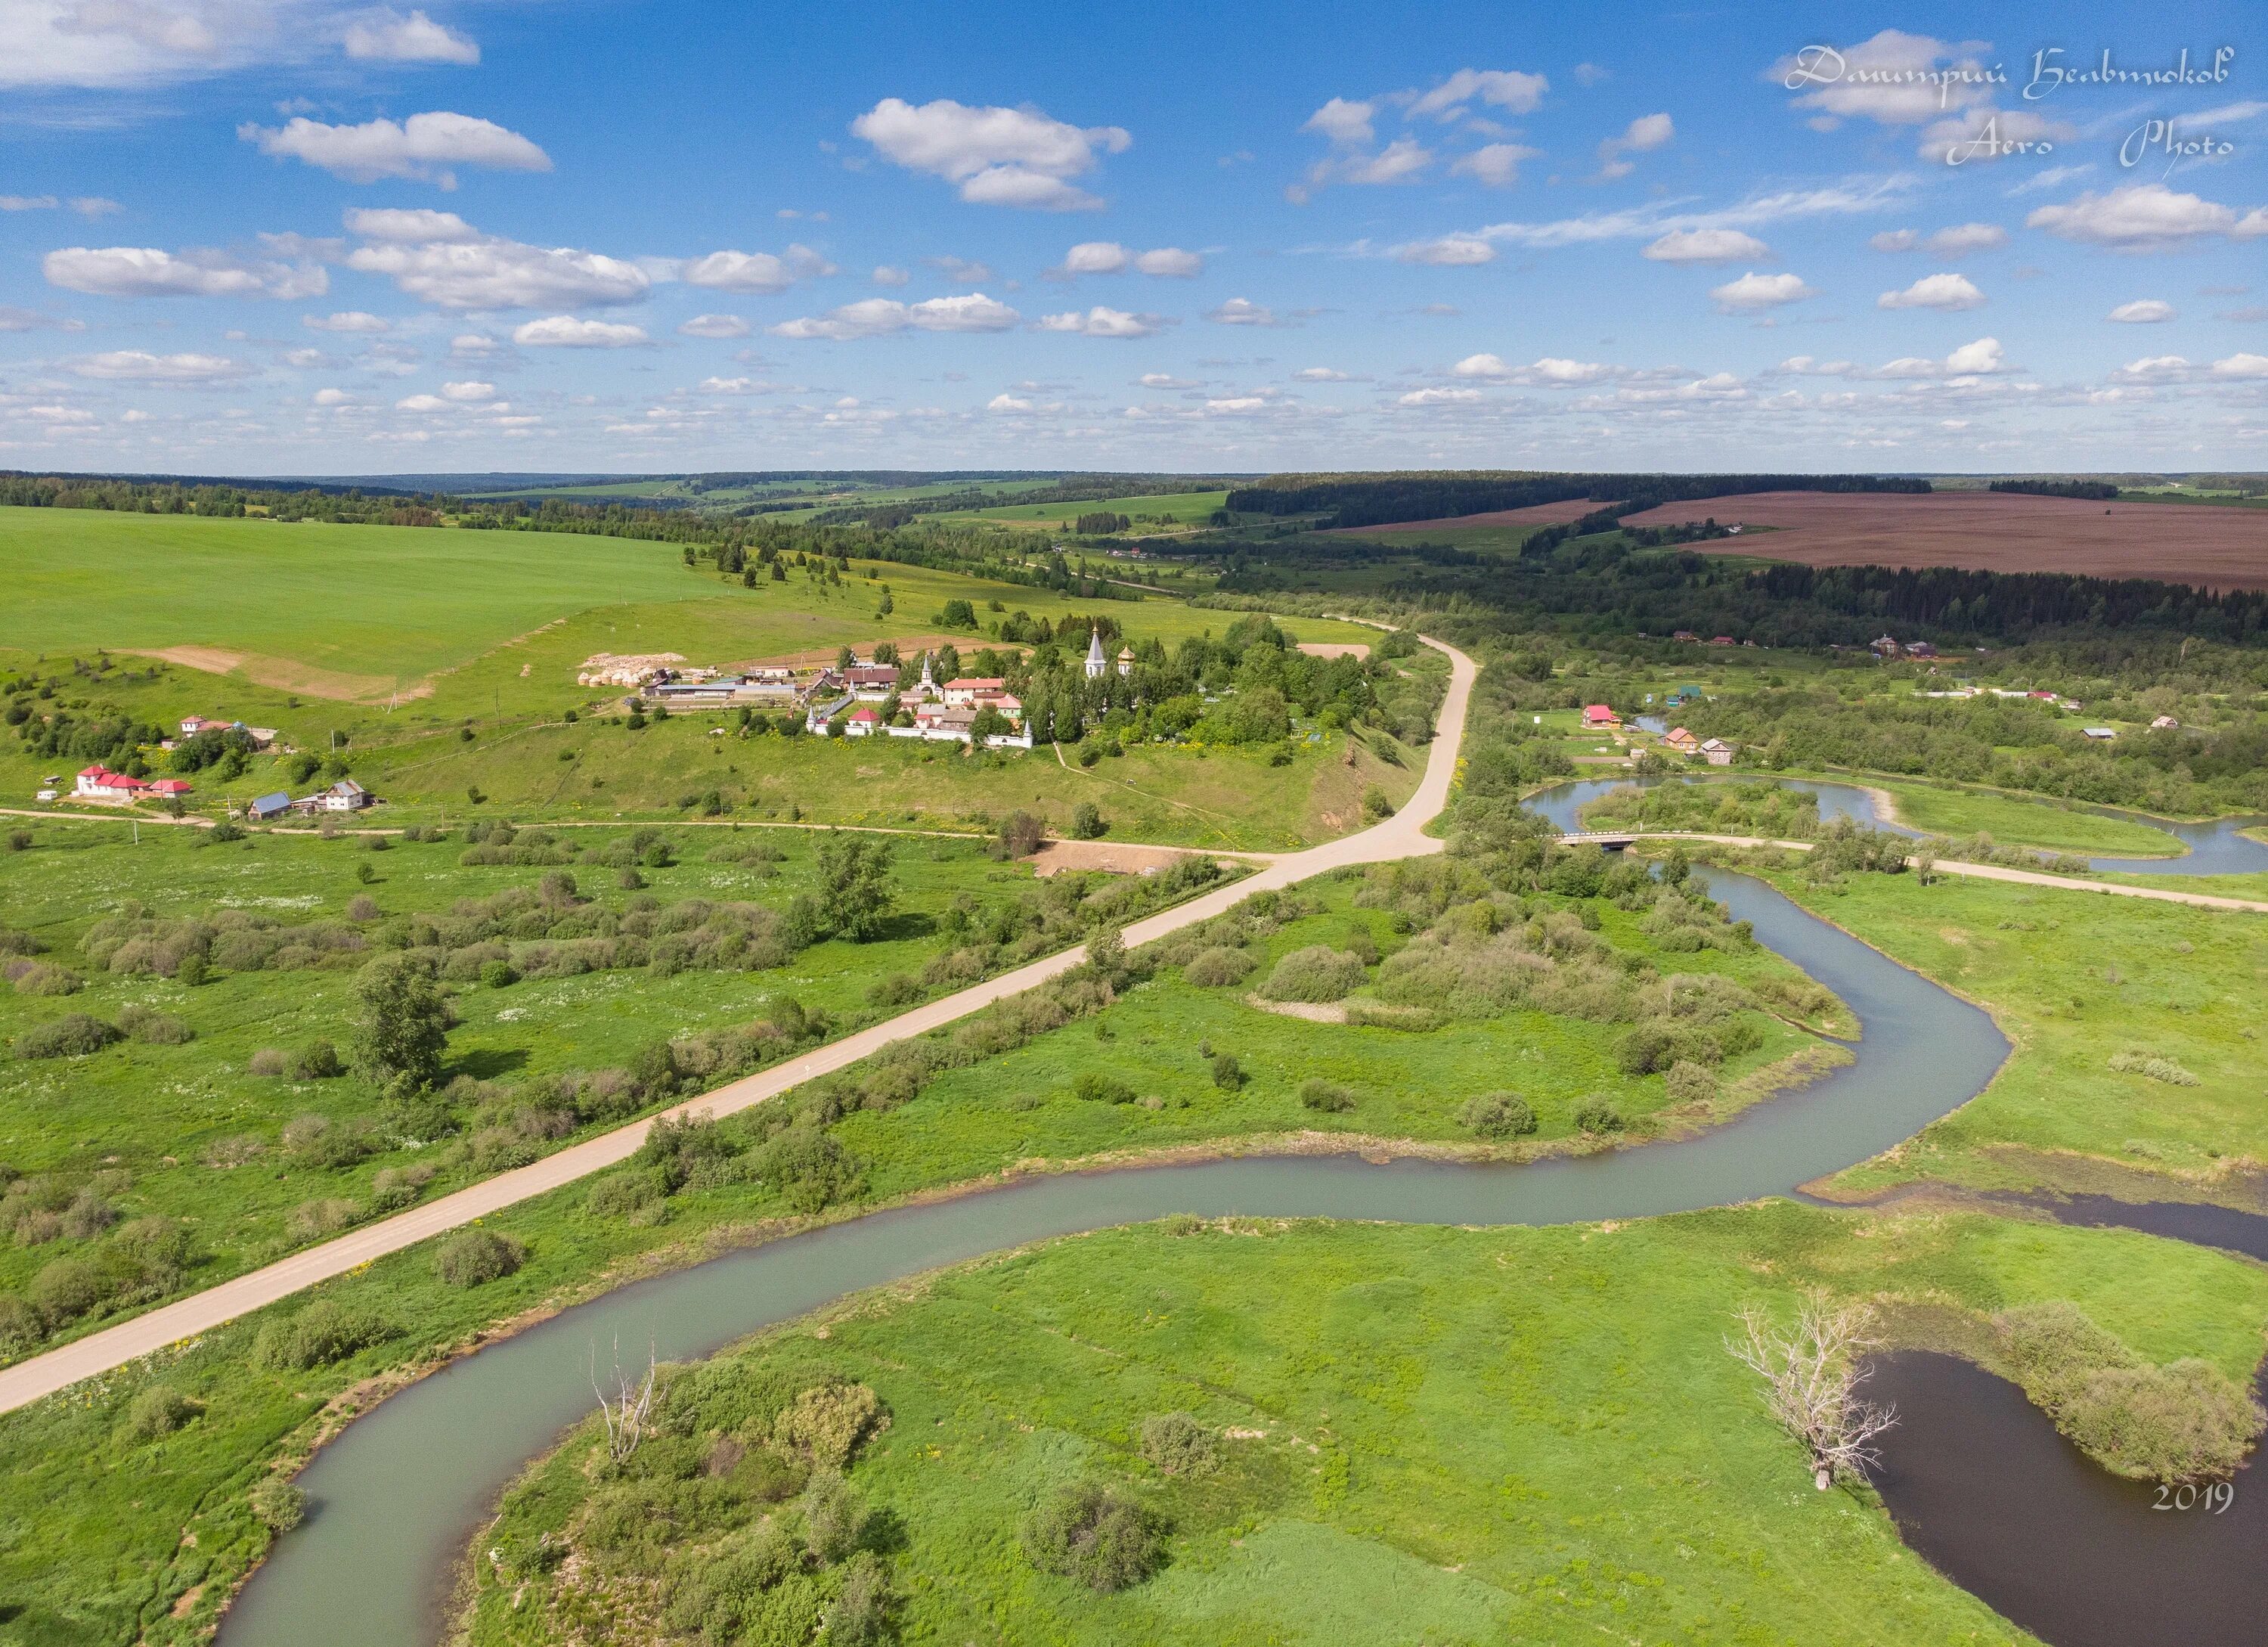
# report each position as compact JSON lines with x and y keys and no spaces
{"x":1401,"y":836}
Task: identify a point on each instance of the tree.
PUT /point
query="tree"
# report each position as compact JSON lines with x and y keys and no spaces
{"x":402,"y":1025}
{"x":854,"y":898}
{"x":1021,"y":835}
{"x":1087,"y":822}
{"x":1812,"y":1373}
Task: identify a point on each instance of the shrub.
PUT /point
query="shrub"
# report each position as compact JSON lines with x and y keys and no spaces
{"x":363,"y":906}
{"x":834,"y":1517}
{"x":270,"y":1061}
{"x":829,"y":1422}
{"x":476,"y":1257}
{"x":67,"y":1289}
{"x":2135,"y":1060}
{"x":74,"y":1035}
{"x":325,"y":1332}
{"x":1597,"y":1114}
{"x":311,"y":1221}
{"x":278,"y":1505}
{"x":43,"y":978}
{"x":634,"y":1197}
{"x":1215,"y":967}
{"x":811,"y":1168}
{"x":1319,"y":1094}
{"x":157,"y":1028}
{"x":498,"y":974}
{"x":159,"y":1410}
{"x":1317,"y":973}
{"x":20,"y":1324}
{"x":1178,"y":1445}
{"x":1689,"y":1082}
{"x":1100,"y":1088}
{"x":1227,"y":1073}
{"x":861,"y":1615}
{"x":319,"y":1061}
{"x":1376,"y":804}
{"x":1498,"y":1115}
{"x":1086,"y":1532}
{"x":1087,"y":822}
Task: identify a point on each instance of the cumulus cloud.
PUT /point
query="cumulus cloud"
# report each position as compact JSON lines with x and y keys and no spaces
{"x":2146,"y":217}
{"x":1095,"y":257}
{"x":1895,"y":241}
{"x":875,"y":317}
{"x":143,"y":271}
{"x":1342,"y":121}
{"x":1438,"y":397}
{"x":1494,"y":165}
{"x":1705,"y":246}
{"x":565,"y":331}
{"x":1241,"y":312}
{"x":1166,"y":380}
{"x":1450,"y":251}
{"x":422,"y":148}
{"x":388,"y":37}
{"x":1102,"y":323}
{"x":1752,"y":293}
{"x":1964,"y":238}
{"x":2241,"y":365}
{"x":2142,"y":312}
{"x":1319,"y":375}
{"x":1934,"y":292}
{"x":714,"y":326}
{"x":469,"y":392}
{"x":346,"y":320}
{"x":1643,"y":135}
{"x":1169,"y":263}
{"x":755,"y":271}
{"x":463,"y":269}
{"x":962,"y":271}
{"x":1507,"y":89}
{"x":139,"y":366}
{"x":1976,"y":359}
{"x":1551,"y":372}
{"x":887,"y":274}
{"x":330,"y":397}
{"x":996,"y":157}
{"x":737,"y":386}
{"x":1894,"y":79}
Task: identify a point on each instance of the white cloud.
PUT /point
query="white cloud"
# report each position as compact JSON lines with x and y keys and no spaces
{"x":139,"y":366}
{"x":1101,"y":322}
{"x":331,"y":397}
{"x":1964,"y":238}
{"x":2154,"y":367}
{"x":1342,"y":121}
{"x":468,"y":392}
{"x":1895,"y":241}
{"x":1975,"y":360}
{"x":755,"y":271}
{"x":388,"y":37}
{"x":346,"y":320}
{"x":997,"y":157}
{"x":143,"y":271}
{"x":1166,"y":380}
{"x":1241,"y":312}
{"x":409,"y":225}
{"x":1095,"y":257}
{"x":715,"y":326}
{"x":1438,"y":397}
{"x":306,"y":359}
{"x":422,"y":403}
{"x":1169,"y":263}
{"x":1854,"y":196}
{"x":2146,"y":218}
{"x":1317,"y":375}
{"x":1642,"y":136}
{"x":564,"y":332}
{"x":875,"y":317}
{"x":1705,"y":246}
{"x":28,"y":202}
{"x":1548,"y":372}
{"x":422,"y":148}
{"x":483,"y":272}
{"x":1495,"y":165}
{"x":473,"y":346}
{"x":962,"y":271}
{"x":1949,"y":293}
{"x":93,"y":206}
{"x":2241,"y":365}
{"x":1753,"y":291}
{"x":1507,"y":89}
{"x":1451,"y":251}
{"x":2142,"y":312}
{"x":1401,"y":161}
{"x":887,"y":275}
{"x":1895,"y":78}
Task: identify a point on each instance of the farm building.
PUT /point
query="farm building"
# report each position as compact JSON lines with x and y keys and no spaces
{"x":266,"y":807}
{"x":2164,"y":723}
{"x":346,"y":795}
{"x":169,"y":787}
{"x":2100,"y":735}
{"x":1600,"y":717}
{"x":1716,"y":752}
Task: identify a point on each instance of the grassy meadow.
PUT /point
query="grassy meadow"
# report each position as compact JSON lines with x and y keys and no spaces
{"x":1160,"y":509}
{"x":2016,"y":821}
{"x":1527,"y":1434}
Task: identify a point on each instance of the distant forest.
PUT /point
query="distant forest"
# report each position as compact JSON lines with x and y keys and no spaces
{"x":1440,"y":495}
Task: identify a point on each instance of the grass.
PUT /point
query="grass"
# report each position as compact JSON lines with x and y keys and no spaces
{"x":2017,"y":822}
{"x":1425,"y":1434}
{"x":1173,"y":508}
{"x":2075,"y":979}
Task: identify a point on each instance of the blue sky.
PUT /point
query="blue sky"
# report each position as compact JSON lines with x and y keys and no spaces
{"x":298,"y":237}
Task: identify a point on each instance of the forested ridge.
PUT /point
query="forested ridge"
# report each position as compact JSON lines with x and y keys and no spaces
{"x":1436,"y":495}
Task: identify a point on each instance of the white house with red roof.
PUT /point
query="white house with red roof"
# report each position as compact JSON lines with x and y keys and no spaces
{"x":861,"y":722}
{"x":965,"y":691}
{"x":100,"y":783}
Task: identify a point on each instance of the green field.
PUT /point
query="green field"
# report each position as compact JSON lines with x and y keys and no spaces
{"x":1170,"y":508}
{"x":2014,"y":821}
{"x":1420,"y":1435}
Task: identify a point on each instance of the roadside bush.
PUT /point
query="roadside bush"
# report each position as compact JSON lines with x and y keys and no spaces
{"x":159,"y":1411}
{"x":1689,"y":1082}
{"x":74,"y":1035}
{"x":1597,"y":1114}
{"x":159,"y":1029}
{"x":317,"y":1140}
{"x":20,"y":1324}
{"x":1498,"y":1115}
{"x":1100,"y":1088}
{"x":397,"y":1187}
{"x":1327,"y":1096}
{"x":1178,"y":1445}
{"x":829,"y":1422}
{"x":67,"y":1289}
{"x":311,"y":1221}
{"x":325,"y":1332}
{"x":1317,"y":973}
{"x":1217,"y":967}
{"x":633,"y":1197}
{"x":1092,"y":1535}
{"x":476,"y":1257}
{"x":811,"y":1169}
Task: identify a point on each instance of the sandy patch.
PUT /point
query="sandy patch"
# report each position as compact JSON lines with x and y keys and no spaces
{"x":1055,"y":857}
{"x":2213,"y":548}
{"x":1335,"y":648}
{"x":285,"y":674}
{"x":1313,"y":1011}
{"x":1534,"y":514}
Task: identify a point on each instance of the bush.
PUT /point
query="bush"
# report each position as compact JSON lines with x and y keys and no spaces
{"x":278,"y":1505}
{"x":861,"y":1615}
{"x":67,"y":1289}
{"x":834,"y":1517}
{"x":476,"y":1257}
{"x":74,"y":1035}
{"x":1100,"y":1088}
{"x":1216,"y":967}
{"x":323,"y":1333}
{"x":811,"y":1169}
{"x":1689,"y":1082}
{"x":634,"y":1197}
{"x":159,"y":1410}
{"x":157,"y":1029}
{"x":498,"y":974}
{"x":1599,"y":1115}
{"x":2135,"y":1060}
{"x":1330,"y":1096}
{"x":1089,"y":1534}
{"x":1178,"y":1445}
{"x":1317,"y":973}
{"x":1227,"y":1073}
{"x":1498,"y":1115}
{"x":319,"y":1061}
{"x":43,"y":978}
{"x":829,"y":1422}
{"x":363,"y":907}
{"x":1087,"y":822}
{"x":270,"y":1061}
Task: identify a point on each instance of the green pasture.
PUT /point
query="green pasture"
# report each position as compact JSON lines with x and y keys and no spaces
{"x":2016,"y":821}
{"x":1171,"y":508}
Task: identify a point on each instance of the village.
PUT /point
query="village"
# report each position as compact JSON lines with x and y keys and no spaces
{"x":103,"y":786}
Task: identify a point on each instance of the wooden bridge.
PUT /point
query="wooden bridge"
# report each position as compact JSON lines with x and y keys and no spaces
{"x":1612,"y":840}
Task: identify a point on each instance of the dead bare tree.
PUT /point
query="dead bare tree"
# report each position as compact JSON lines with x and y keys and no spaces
{"x":626,"y":1413}
{"x":1812,"y":1373}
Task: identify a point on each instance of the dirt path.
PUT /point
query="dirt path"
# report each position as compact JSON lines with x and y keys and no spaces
{"x":1401,"y":836}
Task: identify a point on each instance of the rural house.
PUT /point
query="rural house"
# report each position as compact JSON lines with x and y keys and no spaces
{"x":968,"y":690}
{"x":99,"y":783}
{"x":1683,"y":741}
{"x":269,"y":806}
{"x":1716,"y":752}
{"x":1600,"y":717}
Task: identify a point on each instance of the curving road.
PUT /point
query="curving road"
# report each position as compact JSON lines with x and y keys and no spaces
{"x":1401,"y":836}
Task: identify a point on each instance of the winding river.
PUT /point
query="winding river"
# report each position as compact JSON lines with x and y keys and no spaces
{"x":2216,"y":847}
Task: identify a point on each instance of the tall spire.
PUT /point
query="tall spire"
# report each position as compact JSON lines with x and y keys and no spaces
{"x":1095,"y":661}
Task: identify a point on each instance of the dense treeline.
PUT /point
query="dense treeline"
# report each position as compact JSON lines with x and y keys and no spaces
{"x":2095,"y":491}
{"x":216,"y":498}
{"x":1434,"y":495}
